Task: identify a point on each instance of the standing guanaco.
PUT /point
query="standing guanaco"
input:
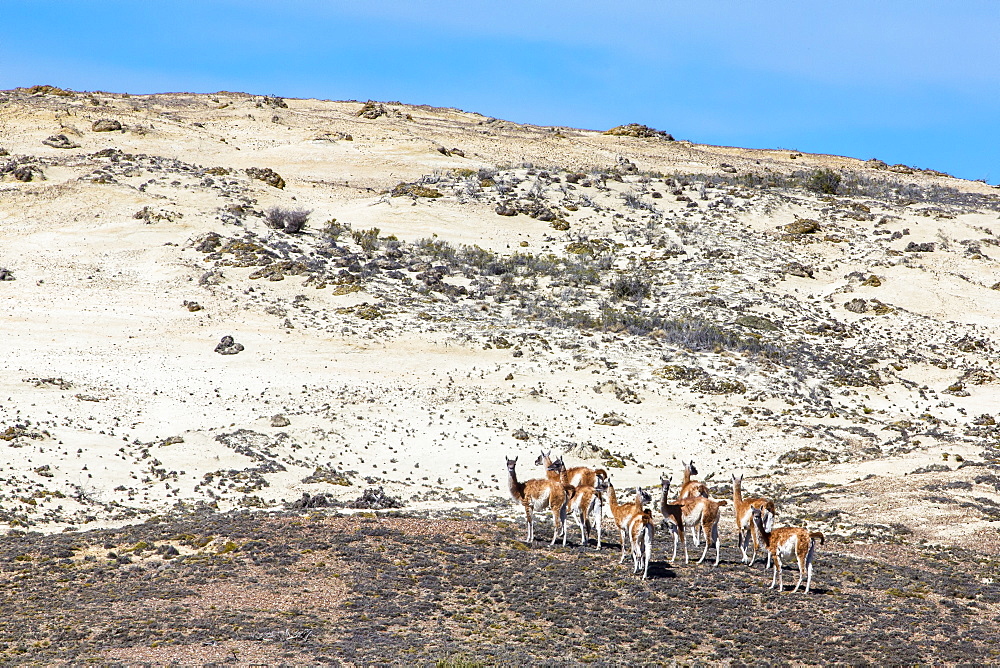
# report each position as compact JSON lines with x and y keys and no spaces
{"x":673,"y":518}
{"x":744,"y":523}
{"x":624,"y":513}
{"x":536,"y":495}
{"x":785,"y":542}
{"x":586,"y":502}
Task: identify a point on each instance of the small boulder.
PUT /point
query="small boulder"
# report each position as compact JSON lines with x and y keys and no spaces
{"x":798,"y":269}
{"x":280,"y":421}
{"x":60,"y":141}
{"x":106,"y":125}
{"x":228,"y":346}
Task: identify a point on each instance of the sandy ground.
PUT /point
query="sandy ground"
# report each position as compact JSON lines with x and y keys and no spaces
{"x":117,"y":406}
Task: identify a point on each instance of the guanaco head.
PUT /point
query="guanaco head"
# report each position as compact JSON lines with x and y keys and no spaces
{"x":763,"y":519}
{"x":689,"y":467}
{"x":542,"y":458}
{"x":642,"y":497}
{"x":601,"y":484}
{"x":737,"y":479}
{"x":511,"y":463}
{"x":558,"y":466}
{"x":665,"y":484}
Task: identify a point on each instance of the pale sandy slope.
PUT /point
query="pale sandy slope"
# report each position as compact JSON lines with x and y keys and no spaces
{"x":418,"y":405}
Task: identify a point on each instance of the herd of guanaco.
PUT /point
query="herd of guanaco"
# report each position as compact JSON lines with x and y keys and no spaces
{"x":583,"y":493}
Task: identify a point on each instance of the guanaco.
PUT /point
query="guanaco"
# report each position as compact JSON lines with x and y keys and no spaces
{"x":641,"y":534}
{"x":744,"y":524}
{"x":578,"y":476}
{"x":585,"y":503}
{"x":537,"y":495}
{"x":702,"y":513}
{"x":673,"y":518}
{"x":785,"y":542}
{"x":623,"y":514}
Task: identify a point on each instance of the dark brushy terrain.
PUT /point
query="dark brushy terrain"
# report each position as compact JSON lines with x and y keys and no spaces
{"x":327,"y":589}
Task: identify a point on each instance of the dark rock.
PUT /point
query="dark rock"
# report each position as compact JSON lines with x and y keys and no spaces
{"x":6,"y":274}
{"x":106,"y":125}
{"x":856,"y":305}
{"x":60,"y":141}
{"x":228,"y":346}
{"x":267,"y":175}
{"x":798,"y":269}
{"x":914,"y":247}
{"x":280,"y":421}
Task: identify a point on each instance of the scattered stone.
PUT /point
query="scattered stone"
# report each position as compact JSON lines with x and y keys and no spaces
{"x":805,"y":455}
{"x":60,"y":141}
{"x":914,"y":247}
{"x":192,"y":306}
{"x":521,"y":435}
{"x":872,"y":281}
{"x":798,"y":269}
{"x":227,"y":346}
{"x":280,"y":421}
{"x":267,"y":175}
{"x":801,"y":226}
{"x":106,"y":125}
{"x":612,"y":419}
{"x":6,"y":274}
{"x":856,"y":305}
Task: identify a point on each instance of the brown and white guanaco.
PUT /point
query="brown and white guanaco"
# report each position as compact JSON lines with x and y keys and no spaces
{"x":691,"y":487}
{"x":623,"y":514}
{"x":744,"y":523}
{"x":640,"y":530}
{"x":784,"y":543}
{"x":537,"y":495}
{"x":586,"y":503}
{"x":673,"y":518}
{"x":702,"y":514}
{"x":578,"y":476}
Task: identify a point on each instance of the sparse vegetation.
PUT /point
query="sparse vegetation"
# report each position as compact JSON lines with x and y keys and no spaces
{"x":292,"y":221}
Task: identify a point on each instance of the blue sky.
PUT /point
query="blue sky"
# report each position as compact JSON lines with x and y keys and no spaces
{"x":916,"y":82}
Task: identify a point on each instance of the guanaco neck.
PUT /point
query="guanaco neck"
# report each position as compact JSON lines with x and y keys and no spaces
{"x":738,"y":492}
{"x":516,"y":488}
{"x":765,"y":535}
{"x":612,"y":499}
{"x":664,"y":493}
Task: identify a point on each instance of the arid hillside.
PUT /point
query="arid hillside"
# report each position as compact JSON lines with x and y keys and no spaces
{"x":412,"y":294}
